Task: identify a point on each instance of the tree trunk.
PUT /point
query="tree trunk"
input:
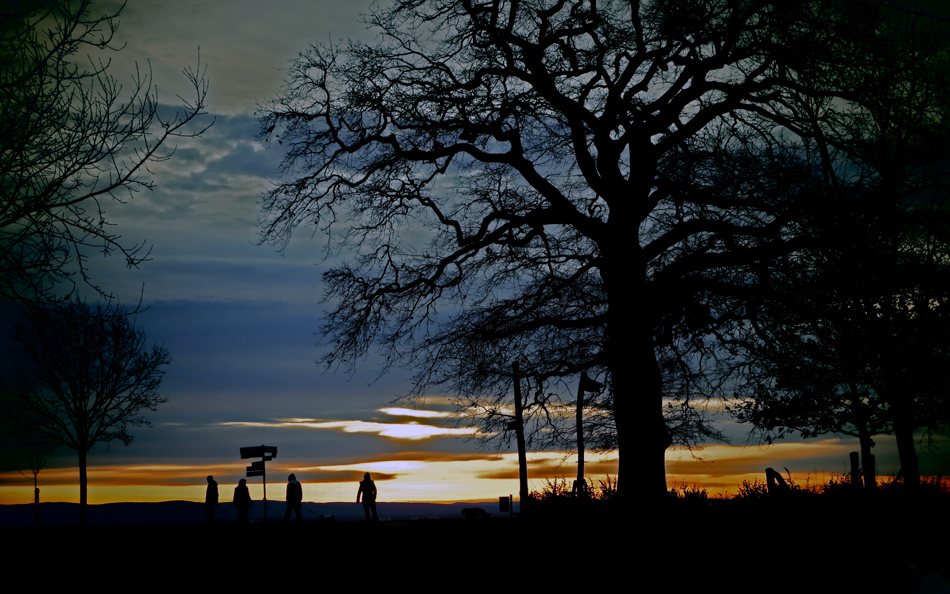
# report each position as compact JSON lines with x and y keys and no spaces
{"x":910,"y":471}
{"x":899,"y":398}
{"x":901,"y":406}
{"x":637,"y":389}
{"x":82,"y":486}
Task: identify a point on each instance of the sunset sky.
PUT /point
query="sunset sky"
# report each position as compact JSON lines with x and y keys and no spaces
{"x":239,"y":319}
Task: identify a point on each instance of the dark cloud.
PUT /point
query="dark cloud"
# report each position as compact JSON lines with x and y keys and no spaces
{"x":244,"y":44}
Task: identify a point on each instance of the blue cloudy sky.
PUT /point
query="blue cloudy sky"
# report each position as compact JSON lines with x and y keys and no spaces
{"x":239,"y":319}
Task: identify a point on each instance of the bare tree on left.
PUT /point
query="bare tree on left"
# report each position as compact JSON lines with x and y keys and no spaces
{"x":84,"y":376}
{"x":72,"y":140}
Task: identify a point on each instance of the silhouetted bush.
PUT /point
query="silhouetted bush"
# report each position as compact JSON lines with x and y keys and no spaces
{"x":755,"y":490}
{"x":691,"y":493}
{"x":606,"y":490}
{"x":557,"y":497}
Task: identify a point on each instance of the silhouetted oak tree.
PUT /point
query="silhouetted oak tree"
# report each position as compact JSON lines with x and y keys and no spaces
{"x":84,"y":376}
{"x":507,"y":168}
{"x":72,"y":140}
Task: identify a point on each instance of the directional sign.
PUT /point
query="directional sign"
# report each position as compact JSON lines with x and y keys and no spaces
{"x":252,"y":452}
{"x":255,"y":469}
{"x":266,"y":452}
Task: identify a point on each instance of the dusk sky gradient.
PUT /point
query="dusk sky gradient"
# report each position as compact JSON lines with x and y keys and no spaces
{"x":239,"y":319}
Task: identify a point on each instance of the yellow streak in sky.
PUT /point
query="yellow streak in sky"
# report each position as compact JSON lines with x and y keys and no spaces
{"x":410,"y":431}
{"x":412,"y":412}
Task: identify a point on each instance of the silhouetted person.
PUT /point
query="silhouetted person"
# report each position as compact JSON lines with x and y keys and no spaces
{"x":242,"y":501}
{"x":294,"y":498}
{"x":368,"y":491}
{"x":211,"y":498}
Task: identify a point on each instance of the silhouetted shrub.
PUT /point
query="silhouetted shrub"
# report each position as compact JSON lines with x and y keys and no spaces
{"x":694,"y":493}
{"x":553,"y":489}
{"x":754,"y":490}
{"x":606,"y":490}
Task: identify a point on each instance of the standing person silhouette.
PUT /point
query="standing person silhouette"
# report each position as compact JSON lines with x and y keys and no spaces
{"x":368,"y":491}
{"x":294,"y":498}
{"x":242,"y":501}
{"x":211,"y":498}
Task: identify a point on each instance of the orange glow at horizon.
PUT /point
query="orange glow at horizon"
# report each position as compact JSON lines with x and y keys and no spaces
{"x":432,"y":477}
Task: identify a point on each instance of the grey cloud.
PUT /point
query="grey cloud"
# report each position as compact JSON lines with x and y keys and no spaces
{"x":245,"y":44}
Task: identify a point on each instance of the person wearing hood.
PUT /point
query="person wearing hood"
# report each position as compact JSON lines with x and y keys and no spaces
{"x":211,"y":498}
{"x":242,"y":501}
{"x":294,"y":498}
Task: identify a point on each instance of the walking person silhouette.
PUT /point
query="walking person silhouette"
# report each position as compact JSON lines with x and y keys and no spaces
{"x":294,"y":498}
{"x":368,"y":491}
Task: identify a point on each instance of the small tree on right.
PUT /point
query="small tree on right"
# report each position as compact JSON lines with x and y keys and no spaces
{"x":849,"y":334}
{"x":855,"y":342}
{"x":810,"y":370}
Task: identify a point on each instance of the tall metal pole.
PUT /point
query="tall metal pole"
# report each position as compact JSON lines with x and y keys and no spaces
{"x":263,"y":456}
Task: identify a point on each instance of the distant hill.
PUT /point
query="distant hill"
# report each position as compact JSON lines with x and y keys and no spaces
{"x":190,"y":512}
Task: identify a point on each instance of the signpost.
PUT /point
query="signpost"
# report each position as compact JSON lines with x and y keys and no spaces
{"x":265,"y":453}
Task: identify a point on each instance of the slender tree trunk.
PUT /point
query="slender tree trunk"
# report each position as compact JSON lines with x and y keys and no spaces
{"x":579,"y":424}
{"x":903,"y":420}
{"x":906,"y":450}
{"x":902,"y":416}
{"x":899,"y":398}
{"x":82,"y":486}
{"x":523,"y":492}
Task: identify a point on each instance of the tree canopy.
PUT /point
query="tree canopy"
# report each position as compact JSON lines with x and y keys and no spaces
{"x":853,"y":333}
{"x":83,"y":377}
{"x":72,"y":139}
{"x":584,"y":184}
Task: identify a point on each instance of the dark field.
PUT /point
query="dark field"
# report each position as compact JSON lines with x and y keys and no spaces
{"x":763,"y":546}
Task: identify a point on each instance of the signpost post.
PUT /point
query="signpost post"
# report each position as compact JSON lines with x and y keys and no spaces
{"x":265,"y":453}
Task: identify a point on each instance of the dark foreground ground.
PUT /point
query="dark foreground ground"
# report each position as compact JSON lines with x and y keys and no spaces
{"x":763,"y":546}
